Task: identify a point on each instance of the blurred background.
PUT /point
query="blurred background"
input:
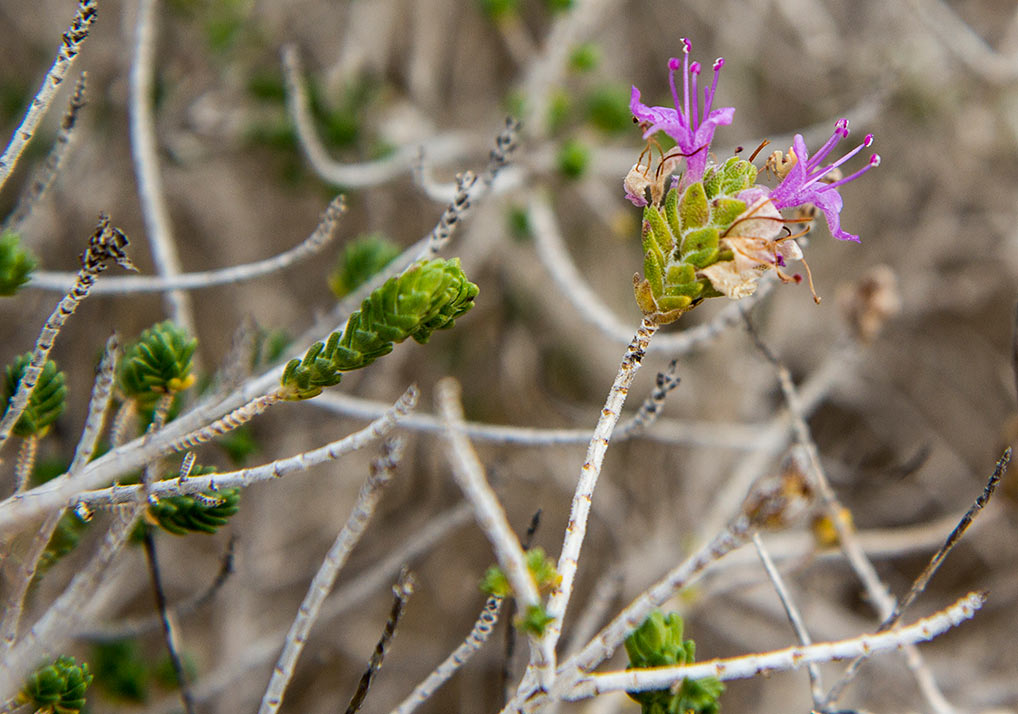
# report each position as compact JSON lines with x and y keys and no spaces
{"x":909,"y":424}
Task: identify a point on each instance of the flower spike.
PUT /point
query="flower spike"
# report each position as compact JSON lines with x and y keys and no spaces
{"x":805,"y":183}
{"x":692,"y":128}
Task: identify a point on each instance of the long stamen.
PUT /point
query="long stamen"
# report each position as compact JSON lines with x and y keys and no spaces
{"x":709,"y":97}
{"x":694,"y":118}
{"x":813,"y":178}
{"x":686,"y":46}
{"x":874,"y":161}
{"x":840,"y":132}
{"x":673,"y":66}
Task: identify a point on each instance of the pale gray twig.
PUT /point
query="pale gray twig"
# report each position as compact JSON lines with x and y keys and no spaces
{"x":313,"y":244}
{"x":43,"y":178}
{"x":382,"y":470}
{"x":459,"y":657}
{"x":780,"y":660}
{"x":794,"y":617}
{"x":69,"y":48}
{"x":145,"y":153}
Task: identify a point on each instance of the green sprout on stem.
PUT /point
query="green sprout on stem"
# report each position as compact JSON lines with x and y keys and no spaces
{"x":658,"y":643}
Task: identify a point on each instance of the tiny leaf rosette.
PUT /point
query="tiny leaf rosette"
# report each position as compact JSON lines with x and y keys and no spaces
{"x":58,"y":688}
{"x":158,"y":363}
{"x":428,"y":296}
{"x":47,"y":401}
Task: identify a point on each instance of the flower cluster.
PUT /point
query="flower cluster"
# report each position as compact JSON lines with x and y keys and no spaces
{"x":716,"y":211}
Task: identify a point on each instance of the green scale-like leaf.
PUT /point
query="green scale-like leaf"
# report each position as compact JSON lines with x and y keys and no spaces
{"x":428,"y":296}
{"x":204,"y":513}
{"x":47,"y":401}
{"x":682,"y":236}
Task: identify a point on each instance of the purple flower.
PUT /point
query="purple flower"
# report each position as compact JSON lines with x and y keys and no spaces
{"x":804,"y":183}
{"x":692,"y":129}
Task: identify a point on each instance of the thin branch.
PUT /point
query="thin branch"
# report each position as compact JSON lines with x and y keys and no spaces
{"x":169,"y":632}
{"x":780,"y":660}
{"x":877,"y":591}
{"x":579,"y":511}
{"x":256,"y":474}
{"x":106,"y":244}
{"x":382,"y":470}
{"x":43,"y":178}
{"x":794,"y":617}
{"x":924,"y":577}
{"x":491,"y":516}
{"x":443,"y":148}
{"x":126,"y":628}
{"x":69,"y":48}
{"x":460,"y":656}
{"x":145,"y":153}
{"x":365,"y":585}
{"x":98,"y":405}
{"x":50,"y":495}
{"x":401,"y":593}
{"x":323,"y":234}
{"x":715,"y":435}
{"x":651,"y":408}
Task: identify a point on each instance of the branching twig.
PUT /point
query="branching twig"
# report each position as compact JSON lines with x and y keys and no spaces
{"x":382,"y":470}
{"x":780,"y":660}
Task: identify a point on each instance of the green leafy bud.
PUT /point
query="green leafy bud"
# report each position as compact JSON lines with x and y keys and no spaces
{"x":361,"y":260}
{"x":658,"y":643}
{"x":539,"y":565}
{"x":158,"y":363}
{"x":16,"y":263}
{"x":534,"y":621}
{"x":120,"y":670}
{"x":573,"y":159}
{"x":428,"y":296}
{"x":198,"y":513}
{"x":585,"y":58}
{"x":58,"y":688}
{"x":47,"y":401}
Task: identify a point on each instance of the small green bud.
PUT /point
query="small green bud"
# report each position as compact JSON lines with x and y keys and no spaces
{"x":573,"y":158}
{"x":47,"y":401}
{"x":361,"y":260}
{"x":198,"y":513}
{"x":58,"y":688}
{"x":16,"y":263}
{"x":158,"y":363}
{"x":534,"y":621}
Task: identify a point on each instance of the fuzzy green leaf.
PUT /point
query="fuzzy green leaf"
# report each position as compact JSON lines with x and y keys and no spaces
{"x":700,"y":247}
{"x":694,"y":211}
